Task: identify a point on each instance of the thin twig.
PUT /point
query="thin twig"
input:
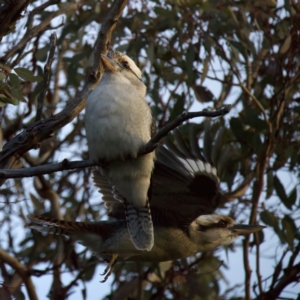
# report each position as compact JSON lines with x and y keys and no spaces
{"x":278,"y":269}
{"x":41,"y":27}
{"x":247,"y":268}
{"x":290,"y":275}
{"x":46,"y":81}
{"x":152,"y":144}
{"x":162,"y":121}
{"x":45,"y":169}
{"x":257,"y":190}
{"x":149,"y":147}
{"x":259,"y":281}
{"x":259,"y":105}
{"x":22,"y":272}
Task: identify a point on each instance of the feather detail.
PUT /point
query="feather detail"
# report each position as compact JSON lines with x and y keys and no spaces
{"x":140,"y":226}
{"x":71,"y":228}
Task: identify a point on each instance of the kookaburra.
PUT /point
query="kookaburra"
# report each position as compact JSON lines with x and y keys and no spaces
{"x":118,"y":124}
{"x":184,"y":197}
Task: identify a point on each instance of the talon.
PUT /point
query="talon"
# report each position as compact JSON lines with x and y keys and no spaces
{"x":107,"y":275}
{"x":109,"y":268}
{"x":105,"y":271}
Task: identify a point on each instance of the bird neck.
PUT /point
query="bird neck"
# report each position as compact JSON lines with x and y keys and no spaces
{"x":124,"y":80}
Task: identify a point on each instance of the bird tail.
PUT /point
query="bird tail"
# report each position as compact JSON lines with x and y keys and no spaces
{"x":48,"y":225}
{"x":61,"y":227}
{"x":92,"y":235}
{"x":140,"y":226}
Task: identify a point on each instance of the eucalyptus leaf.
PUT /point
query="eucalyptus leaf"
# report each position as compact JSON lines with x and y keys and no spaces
{"x":27,"y":75}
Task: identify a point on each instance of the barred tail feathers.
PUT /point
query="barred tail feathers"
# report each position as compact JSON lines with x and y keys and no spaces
{"x":47,"y":225}
{"x":140,"y":226}
{"x":69,"y":228}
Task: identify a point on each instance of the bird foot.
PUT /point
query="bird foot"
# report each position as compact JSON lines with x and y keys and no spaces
{"x":109,"y":268}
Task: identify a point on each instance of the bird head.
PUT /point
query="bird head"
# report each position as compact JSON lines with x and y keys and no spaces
{"x":210,"y":231}
{"x":119,"y":62}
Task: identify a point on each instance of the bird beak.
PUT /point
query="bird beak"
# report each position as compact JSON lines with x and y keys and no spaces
{"x":241,"y":229}
{"x":110,"y":65}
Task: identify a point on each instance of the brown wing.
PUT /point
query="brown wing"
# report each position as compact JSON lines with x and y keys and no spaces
{"x":112,"y":201}
{"x":184,"y":186}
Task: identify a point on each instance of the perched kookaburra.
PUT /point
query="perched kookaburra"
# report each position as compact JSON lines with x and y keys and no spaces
{"x":185,"y":195}
{"x":118,"y":124}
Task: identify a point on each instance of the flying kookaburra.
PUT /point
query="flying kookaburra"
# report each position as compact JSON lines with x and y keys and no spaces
{"x":118,"y":123}
{"x":185,"y":194}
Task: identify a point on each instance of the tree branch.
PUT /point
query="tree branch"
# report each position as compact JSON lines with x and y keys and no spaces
{"x":22,"y":271}
{"x":47,"y":73}
{"x":10,"y":12}
{"x":149,"y":147}
{"x":43,"y":129}
{"x":152,"y":144}
{"x":39,"y":28}
{"x":290,"y":275}
{"x":257,"y":191}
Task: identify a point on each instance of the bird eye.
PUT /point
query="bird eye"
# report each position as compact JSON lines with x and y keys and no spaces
{"x":222,"y":223}
{"x":125,"y":64}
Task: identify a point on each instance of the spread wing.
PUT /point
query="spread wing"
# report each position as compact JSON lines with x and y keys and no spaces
{"x":184,"y":185}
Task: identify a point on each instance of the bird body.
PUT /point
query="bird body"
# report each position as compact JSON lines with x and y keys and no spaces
{"x":106,"y":238}
{"x":185,"y":193}
{"x":118,"y":119}
{"x":118,"y":124}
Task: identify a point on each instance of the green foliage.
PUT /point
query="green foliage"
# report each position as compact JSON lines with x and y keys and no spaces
{"x":11,"y":91}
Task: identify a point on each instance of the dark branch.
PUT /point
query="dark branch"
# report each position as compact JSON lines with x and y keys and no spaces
{"x":10,"y":13}
{"x":152,"y":144}
{"x":22,"y":271}
{"x":46,"y":81}
{"x":149,"y":147}
{"x":291,"y":274}
{"x":45,"y":169}
{"x":257,"y":191}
